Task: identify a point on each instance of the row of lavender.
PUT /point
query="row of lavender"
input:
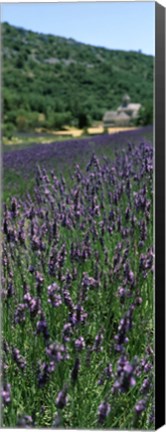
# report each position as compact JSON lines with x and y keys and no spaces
{"x":25,"y":160}
{"x":77,"y":289}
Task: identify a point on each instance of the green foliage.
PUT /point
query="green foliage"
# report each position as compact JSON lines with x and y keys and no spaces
{"x":21,"y":121}
{"x":58,"y":120}
{"x":33,"y":120}
{"x":8,"y":130}
{"x":105,"y":131}
{"x":54,"y":75}
{"x":83,"y":121}
{"x":145,"y":116}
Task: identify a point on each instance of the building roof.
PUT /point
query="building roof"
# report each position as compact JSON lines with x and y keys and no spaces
{"x":122,"y":115}
{"x":109,"y":115}
{"x":129,"y":107}
{"x":133,"y":106}
{"x":125,"y":112}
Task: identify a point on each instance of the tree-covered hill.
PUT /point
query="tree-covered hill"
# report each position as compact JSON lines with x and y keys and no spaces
{"x":50,"y":81}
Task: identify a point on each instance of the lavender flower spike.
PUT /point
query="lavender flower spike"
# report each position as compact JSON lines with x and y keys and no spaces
{"x":61,"y":399}
{"x":103,"y":411}
{"x":140,"y":406}
{"x":6,"y":394}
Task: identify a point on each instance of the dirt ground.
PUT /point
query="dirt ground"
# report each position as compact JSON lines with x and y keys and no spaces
{"x":70,"y":132}
{"x":74,"y":132}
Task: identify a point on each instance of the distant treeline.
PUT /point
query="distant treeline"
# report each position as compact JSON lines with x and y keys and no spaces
{"x":50,"y":81}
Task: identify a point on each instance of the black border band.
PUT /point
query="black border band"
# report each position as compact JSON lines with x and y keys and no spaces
{"x":159,"y":215}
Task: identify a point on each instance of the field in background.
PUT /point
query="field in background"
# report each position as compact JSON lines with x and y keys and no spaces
{"x":76,"y":90}
{"x":20,"y":159}
{"x":75,"y":132}
{"x":47,"y":136}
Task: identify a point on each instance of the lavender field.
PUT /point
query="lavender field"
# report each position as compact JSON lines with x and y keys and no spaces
{"x":77,"y":284}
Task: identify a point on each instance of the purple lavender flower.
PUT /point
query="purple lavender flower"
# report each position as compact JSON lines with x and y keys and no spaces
{"x":41,"y":327}
{"x":34,"y":307}
{"x":43,"y":374}
{"x":19,"y":315}
{"x":5,"y":346}
{"x":14,"y":207}
{"x":145,"y":386}
{"x":107,"y":374}
{"x":79,"y":343}
{"x":124,"y":326}
{"x":143,"y":230}
{"x":61,"y":399}
{"x":57,"y":352}
{"x":97,"y":346}
{"x":34,"y":304}
{"x":54,"y":298}
{"x":67,"y":332}
{"x":88,"y":282}
{"x":10,"y":290}
{"x":138,"y":301}
{"x":27,"y":297}
{"x":75,"y":370}
{"x":103,"y":411}
{"x":127,"y":213}
{"x":152,"y":416}
{"x":6,"y":394}
{"x":140,"y":406}
{"x":145,"y":365}
{"x":31,"y":269}
{"x":129,"y":275}
{"x":25,"y":422}
{"x":108,"y":371}
{"x":51,"y":367}
{"x":78,"y":315}
{"x":125,"y":375}
{"x":39,"y":282}
{"x":122,"y":294}
{"x":20,"y":361}
{"x":67,"y":300}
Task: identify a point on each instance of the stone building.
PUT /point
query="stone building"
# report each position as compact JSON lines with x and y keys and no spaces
{"x":124,"y":115}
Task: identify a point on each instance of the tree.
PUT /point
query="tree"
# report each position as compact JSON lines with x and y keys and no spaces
{"x":22,"y":121}
{"x":83,"y":120}
{"x":8,"y":130}
{"x":145,"y":115}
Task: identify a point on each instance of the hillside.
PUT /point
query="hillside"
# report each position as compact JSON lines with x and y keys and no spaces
{"x":50,"y":81}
